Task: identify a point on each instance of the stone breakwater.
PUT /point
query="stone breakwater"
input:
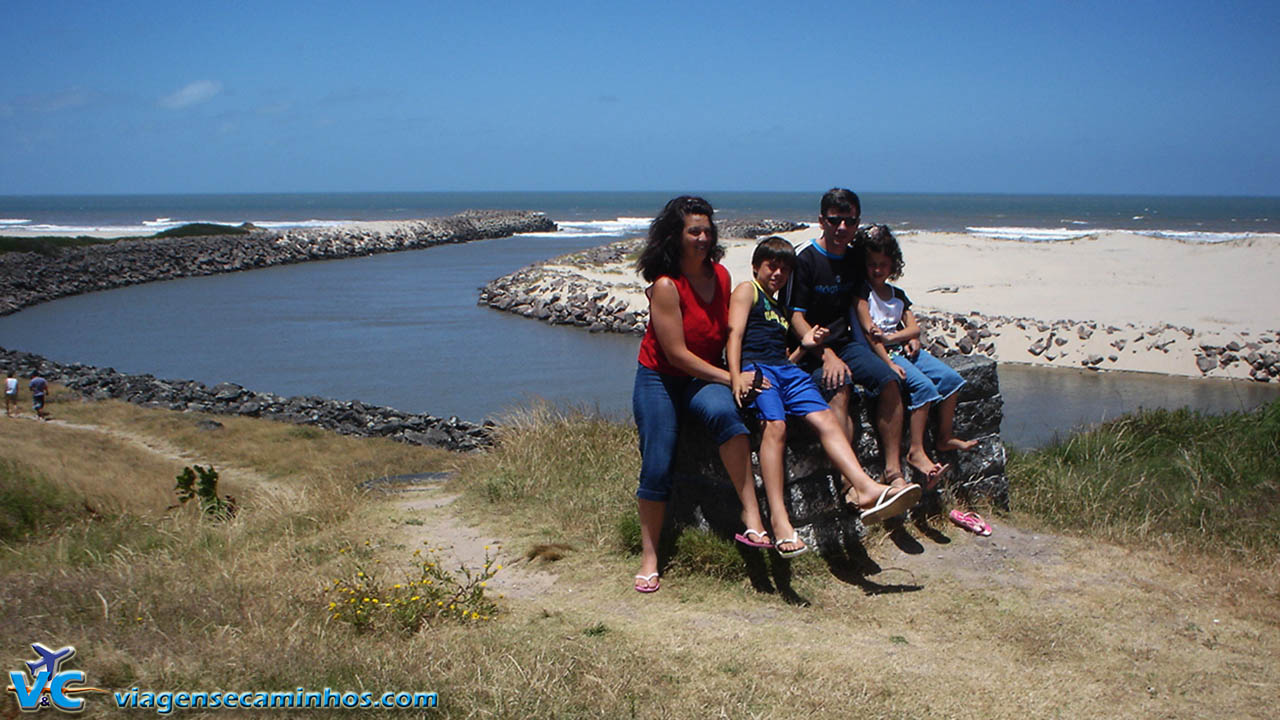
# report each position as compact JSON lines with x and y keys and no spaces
{"x":1099,"y":346}
{"x":28,"y":278}
{"x":348,"y":418}
{"x":563,"y":292}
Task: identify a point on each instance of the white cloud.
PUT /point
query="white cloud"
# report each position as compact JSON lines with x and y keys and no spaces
{"x":193,"y":94}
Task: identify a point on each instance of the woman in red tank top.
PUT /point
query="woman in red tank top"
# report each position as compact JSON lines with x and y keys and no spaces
{"x":681,"y":370}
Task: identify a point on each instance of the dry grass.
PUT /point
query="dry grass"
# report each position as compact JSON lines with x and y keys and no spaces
{"x":1020,"y":625}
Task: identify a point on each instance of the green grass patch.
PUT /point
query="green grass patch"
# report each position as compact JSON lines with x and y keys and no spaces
{"x":566,"y":474}
{"x":31,"y":505}
{"x":201,"y":229}
{"x":1210,"y":483}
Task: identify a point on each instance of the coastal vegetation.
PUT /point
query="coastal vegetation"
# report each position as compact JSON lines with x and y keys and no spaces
{"x":52,"y":245}
{"x":1076,"y":604}
{"x":1175,"y":479}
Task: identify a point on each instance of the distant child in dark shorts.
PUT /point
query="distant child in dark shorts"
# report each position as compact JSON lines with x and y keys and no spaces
{"x":758,"y":327}
{"x":884,"y":313}
{"x":38,"y":387}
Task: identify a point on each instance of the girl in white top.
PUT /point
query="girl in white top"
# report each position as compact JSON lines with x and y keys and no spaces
{"x":10,"y":394}
{"x":884,"y":312}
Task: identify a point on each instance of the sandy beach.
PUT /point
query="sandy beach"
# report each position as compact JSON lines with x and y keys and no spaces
{"x":1115,"y":301}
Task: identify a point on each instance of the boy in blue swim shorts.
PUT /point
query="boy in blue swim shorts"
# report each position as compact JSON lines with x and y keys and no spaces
{"x":758,"y":327}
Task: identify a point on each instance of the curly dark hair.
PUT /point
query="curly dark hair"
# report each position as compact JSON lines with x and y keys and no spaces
{"x":878,"y":238}
{"x":661,"y":254}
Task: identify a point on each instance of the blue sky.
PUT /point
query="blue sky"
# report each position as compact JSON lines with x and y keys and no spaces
{"x":1024,"y":97}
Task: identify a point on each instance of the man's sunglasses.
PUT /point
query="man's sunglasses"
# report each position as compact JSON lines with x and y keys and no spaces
{"x":835,"y":221}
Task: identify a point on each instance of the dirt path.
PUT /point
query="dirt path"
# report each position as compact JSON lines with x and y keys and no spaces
{"x":161,"y":448}
{"x":436,"y":523}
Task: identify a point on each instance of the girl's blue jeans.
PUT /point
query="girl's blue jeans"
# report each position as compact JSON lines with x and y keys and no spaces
{"x":928,"y":379}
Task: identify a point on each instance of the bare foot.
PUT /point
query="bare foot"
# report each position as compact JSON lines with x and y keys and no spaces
{"x":893,"y":477}
{"x":922,"y":463}
{"x":955,"y":444}
{"x":862,"y":501}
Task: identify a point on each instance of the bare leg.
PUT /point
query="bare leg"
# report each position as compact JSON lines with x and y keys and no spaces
{"x":860,"y":487}
{"x":889,"y":411}
{"x":772,"y":448}
{"x":844,"y":422}
{"x":916,"y":456}
{"x":651,"y":515}
{"x":735,"y":453}
{"x":946,"y":419}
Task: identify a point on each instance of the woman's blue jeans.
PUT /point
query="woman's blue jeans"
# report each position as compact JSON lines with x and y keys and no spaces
{"x":658,"y":403}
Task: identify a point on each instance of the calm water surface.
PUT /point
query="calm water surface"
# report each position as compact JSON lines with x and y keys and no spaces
{"x":403,"y":329}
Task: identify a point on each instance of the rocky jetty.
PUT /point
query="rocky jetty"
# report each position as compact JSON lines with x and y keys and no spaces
{"x":1100,"y":346}
{"x":703,"y":496}
{"x":349,"y":418}
{"x":30,"y":278}
{"x":751,"y":229}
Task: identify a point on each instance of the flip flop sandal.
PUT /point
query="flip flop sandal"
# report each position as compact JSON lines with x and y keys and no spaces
{"x":970,"y":521}
{"x":938,"y":473}
{"x":892,"y":476}
{"x":744,"y":537}
{"x":891,"y":503}
{"x":646,"y":579}
{"x":793,"y":540}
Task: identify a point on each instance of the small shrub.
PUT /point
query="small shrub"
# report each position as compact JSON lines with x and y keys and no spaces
{"x":429,"y":594}
{"x":202,"y":483}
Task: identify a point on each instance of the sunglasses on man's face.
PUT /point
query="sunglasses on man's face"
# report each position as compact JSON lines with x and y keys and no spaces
{"x":835,"y":221}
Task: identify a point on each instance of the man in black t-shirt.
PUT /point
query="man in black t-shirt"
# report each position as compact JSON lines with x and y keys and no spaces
{"x":821,"y":293}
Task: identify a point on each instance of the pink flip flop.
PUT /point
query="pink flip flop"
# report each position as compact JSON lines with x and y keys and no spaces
{"x":646,"y":579}
{"x":970,"y":521}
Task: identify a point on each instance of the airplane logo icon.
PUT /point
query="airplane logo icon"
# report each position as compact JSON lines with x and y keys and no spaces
{"x":50,"y":660}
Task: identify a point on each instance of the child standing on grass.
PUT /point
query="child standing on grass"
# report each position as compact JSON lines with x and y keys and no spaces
{"x":758,"y":327}
{"x":884,"y":313}
{"x":10,"y":394}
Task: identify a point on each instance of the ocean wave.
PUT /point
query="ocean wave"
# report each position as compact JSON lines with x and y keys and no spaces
{"x":1034,"y":234}
{"x":1197,"y":236}
{"x":618,"y":228}
{"x":1029,"y":234}
{"x":47,"y":229}
{"x":13,"y":221}
{"x":288,"y":224}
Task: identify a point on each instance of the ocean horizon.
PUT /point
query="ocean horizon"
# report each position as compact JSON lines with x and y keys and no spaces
{"x":615,"y":214}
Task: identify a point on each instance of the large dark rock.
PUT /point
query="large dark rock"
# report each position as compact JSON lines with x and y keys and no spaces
{"x":703,"y":496}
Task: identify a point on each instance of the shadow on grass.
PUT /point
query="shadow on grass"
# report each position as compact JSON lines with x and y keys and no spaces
{"x":852,"y":565}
